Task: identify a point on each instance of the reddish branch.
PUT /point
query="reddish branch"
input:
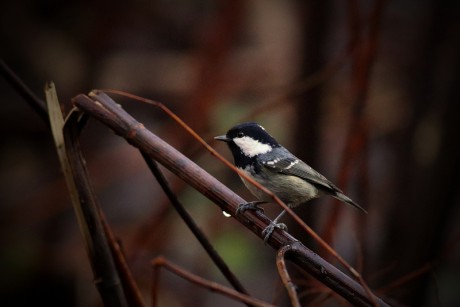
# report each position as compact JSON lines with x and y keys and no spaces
{"x":285,"y":278}
{"x":161,"y":262}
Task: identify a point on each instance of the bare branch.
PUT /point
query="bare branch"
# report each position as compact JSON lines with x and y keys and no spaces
{"x":131,"y":290}
{"x":285,"y":278}
{"x":212,"y":286}
{"x":87,"y":211}
{"x":22,"y":89}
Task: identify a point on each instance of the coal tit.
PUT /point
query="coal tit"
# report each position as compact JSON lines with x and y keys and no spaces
{"x":262,"y":158}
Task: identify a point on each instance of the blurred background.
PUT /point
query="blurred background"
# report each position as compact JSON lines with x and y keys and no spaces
{"x":366,"y":92}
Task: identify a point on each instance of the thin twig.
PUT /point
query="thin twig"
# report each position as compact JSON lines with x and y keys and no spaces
{"x":201,"y":237}
{"x":212,"y":286}
{"x":131,"y":290}
{"x":22,"y":89}
{"x":284,"y":274}
{"x":301,"y":87}
{"x":426,"y":268}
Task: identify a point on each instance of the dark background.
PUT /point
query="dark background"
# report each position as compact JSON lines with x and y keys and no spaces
{"x":365,"y":91}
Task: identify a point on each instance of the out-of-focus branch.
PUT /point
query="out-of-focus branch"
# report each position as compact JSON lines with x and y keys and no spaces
{"x":36,"y":103}
{"x":130,"y":288}
{"x":161,"y":262}
{"x":73,"y":166}
{"x":104,"y":109}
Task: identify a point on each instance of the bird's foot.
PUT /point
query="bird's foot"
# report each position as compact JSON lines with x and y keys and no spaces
{"x":267,"y":232}
{"x":252,"y":205}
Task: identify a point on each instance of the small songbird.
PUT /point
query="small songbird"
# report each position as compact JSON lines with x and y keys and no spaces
{"x":262,"y":158}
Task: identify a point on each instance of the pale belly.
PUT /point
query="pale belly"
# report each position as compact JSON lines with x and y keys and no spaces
{"x":290,"y":189}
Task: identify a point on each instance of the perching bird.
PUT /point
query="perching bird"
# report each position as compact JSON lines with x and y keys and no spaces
{"x":262,"y":158}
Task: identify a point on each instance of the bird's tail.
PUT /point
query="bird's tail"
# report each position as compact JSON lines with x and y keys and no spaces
{"x":346,"y":199}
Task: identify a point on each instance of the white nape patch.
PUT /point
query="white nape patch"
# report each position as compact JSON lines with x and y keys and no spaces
{"x":292,"y":164}
{"x":251,"y":147}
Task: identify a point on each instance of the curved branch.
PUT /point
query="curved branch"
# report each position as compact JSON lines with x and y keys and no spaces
{"x":284,"y":274}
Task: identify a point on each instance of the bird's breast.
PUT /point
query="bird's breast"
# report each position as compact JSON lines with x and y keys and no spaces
{"x":291,"y":190}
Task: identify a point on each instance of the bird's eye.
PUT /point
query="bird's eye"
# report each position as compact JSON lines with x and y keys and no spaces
{"x":240,"y":134}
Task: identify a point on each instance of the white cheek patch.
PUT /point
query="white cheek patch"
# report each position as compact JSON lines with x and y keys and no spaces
{"x":251,"y":147}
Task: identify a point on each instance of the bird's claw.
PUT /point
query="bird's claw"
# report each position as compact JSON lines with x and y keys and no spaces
{"x":253,"y":205}
{"x":267,"y":232}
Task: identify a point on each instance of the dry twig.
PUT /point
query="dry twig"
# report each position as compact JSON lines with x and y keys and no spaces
{"x":212,"y":286}
{"x":66,"y":140}
{"x":284,"y":274}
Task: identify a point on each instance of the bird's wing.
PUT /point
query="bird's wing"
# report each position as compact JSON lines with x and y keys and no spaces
{"x":296,"y":167}
{"x":291,"y":165}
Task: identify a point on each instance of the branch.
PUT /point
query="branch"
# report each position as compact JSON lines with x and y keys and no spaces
{"x":24,"y":91}
{"x":73,"y":167}
{"x":104,"y":109}
{"x":215,"y":257}
{"x":162,"y":262}
{"x":284,"y":274}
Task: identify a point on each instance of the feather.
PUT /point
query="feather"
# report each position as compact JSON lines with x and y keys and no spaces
{"x":291,"y":165}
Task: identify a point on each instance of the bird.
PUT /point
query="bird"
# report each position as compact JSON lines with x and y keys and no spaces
{"x":262,"y":158}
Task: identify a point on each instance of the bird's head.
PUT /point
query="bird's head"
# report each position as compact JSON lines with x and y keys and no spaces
{"x":247,"y":141}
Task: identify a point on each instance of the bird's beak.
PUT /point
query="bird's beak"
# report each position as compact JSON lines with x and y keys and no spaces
{"x":223,"y":138}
